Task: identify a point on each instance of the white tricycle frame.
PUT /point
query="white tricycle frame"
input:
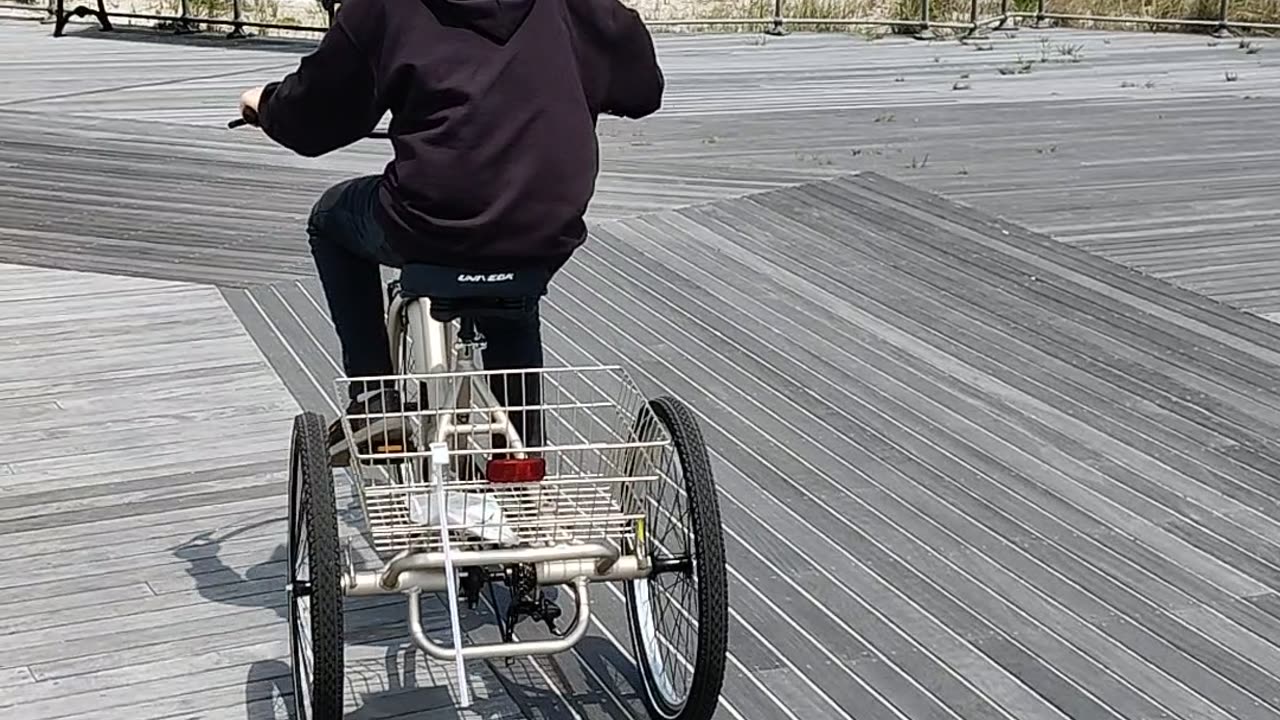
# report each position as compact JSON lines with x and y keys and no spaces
{"x":606,"y":542}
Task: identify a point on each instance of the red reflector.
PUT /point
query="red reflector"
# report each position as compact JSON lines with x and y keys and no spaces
{"x":514,"y":470}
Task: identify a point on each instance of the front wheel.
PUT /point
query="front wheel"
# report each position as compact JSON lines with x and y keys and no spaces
{"x":315,"y":575}
{"x":679,"y":614}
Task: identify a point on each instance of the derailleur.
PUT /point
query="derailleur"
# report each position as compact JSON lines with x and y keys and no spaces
{"x":528,"y":601}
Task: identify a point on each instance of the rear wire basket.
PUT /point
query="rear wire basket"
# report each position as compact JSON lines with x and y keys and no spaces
{"x":602,"y":445}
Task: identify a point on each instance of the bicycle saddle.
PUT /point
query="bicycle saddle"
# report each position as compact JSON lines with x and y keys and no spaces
{"x":462,"y":292}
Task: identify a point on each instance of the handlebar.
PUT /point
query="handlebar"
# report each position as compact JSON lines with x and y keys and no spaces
{"x":251,"y":118}
{"x":247,"y":117}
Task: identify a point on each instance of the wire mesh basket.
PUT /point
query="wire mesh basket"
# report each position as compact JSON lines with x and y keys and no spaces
{"x":535,"y":457}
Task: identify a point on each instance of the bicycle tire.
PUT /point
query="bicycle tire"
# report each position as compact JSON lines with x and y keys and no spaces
{"x":707,"y":567}
{"x":312,"y":510}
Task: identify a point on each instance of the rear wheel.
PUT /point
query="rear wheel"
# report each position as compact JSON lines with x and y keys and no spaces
{"x":679,"y":614}
{"x":315,"y":575}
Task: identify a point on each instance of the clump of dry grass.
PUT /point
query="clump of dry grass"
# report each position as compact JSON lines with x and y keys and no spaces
{"x":199,"y":8}
{"x":868,"y":10}
{"x":761,"y":10}
{"x":1262,"y":11}
{"x":943,"y":10}
{"x":1156,"y":9}
{"x":307,"y":13}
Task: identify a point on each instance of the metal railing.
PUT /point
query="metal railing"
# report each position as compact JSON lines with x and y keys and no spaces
{"x":778,"y":23}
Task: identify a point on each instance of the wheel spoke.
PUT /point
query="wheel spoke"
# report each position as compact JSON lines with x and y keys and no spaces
{"x":669,"y":592}
{"x":300,"y":609}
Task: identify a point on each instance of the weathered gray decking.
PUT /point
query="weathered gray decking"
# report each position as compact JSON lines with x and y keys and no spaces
{"x":1133,"y":145}
{"x":142,"y":515}
{"x":967,"y":470}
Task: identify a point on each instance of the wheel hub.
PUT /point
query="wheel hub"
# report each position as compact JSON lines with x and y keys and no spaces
{"x":681,"y":565}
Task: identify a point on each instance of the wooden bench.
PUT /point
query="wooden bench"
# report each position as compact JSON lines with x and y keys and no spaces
{"x":61,"y":16}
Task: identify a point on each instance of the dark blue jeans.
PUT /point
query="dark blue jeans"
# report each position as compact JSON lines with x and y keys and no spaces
{"x":348,"y":245}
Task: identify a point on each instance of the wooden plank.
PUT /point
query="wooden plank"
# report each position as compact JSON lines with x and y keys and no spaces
{"x":10,"y":677}
{"x":170,"y":525}
{"x":73,"y":600}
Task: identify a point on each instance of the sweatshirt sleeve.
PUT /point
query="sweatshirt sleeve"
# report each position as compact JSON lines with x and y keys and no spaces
{"x":329,"y":102}
{"x":635,"y":80}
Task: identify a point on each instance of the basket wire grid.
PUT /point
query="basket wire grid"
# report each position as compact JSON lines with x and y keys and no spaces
{"x":602,"y":446}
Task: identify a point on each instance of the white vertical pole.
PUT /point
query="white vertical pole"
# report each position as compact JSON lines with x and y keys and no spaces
{"x":439,"y":469}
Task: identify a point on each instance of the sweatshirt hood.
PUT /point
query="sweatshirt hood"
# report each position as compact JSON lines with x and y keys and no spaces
{"x":497,"y":20}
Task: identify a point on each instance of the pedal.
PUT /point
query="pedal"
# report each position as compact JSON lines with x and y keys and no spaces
{"x":340,"y":454}
{"x":388,"y":448}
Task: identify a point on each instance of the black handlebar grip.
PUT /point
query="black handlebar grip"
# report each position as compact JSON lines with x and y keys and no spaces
{"x":248,"y":116}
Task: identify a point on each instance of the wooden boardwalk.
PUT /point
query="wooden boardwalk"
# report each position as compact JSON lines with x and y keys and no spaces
{"x":142,"y":516}
{"x":974,"y":471}
{"x":967,"y":470}
{"x":1133,"y":146}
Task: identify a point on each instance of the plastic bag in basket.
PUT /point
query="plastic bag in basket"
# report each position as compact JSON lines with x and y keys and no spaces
{"x":477,"y":514}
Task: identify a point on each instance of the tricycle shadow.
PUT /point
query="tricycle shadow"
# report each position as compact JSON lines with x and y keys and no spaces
{"x":387,"y":689}
{"x":205,"y":38}
{"x":386,"y":674}
{"x":261,"y":585}
{"x":387,"y":677}
{"x":594,"y":681}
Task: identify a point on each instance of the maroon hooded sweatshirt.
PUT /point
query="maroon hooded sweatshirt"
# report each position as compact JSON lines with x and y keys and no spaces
{"x":493,"y":111}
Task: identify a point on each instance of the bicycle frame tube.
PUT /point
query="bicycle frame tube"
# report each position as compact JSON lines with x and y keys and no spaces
{"x":428,"y":343}
{"x":431,"y":346}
